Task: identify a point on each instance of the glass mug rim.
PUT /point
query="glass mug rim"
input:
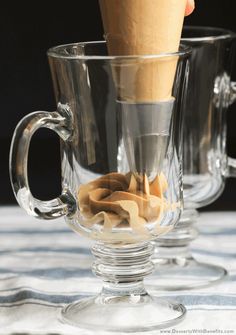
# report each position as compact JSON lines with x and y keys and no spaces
{"x":57,"y":52}
{"x":214,"y":34}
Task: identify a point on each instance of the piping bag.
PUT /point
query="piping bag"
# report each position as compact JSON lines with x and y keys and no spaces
{"x":144,"y":85}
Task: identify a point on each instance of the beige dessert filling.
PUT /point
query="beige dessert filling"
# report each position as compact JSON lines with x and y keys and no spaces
{"x":117,"y":200}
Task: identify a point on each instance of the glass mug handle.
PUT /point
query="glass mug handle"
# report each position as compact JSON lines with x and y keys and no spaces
{"x":231,"y":171}
{"x":60,"y":122}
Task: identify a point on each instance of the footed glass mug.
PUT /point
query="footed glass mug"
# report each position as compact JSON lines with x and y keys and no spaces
{"x":205,"y":161}
{"x":113,"y":190}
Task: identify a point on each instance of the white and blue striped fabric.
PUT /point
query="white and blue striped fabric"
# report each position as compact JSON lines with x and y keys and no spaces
{"x":44,"y":266}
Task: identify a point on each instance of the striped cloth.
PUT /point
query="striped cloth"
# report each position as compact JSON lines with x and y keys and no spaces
{"x":44,"y":265}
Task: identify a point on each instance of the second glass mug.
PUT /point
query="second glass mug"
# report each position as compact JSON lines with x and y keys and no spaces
{"x":114,"y":191}
{"x":205,"y":161}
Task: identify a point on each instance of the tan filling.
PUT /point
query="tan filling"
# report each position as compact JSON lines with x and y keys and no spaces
{"x":143,"y":27}
{"x":117,"y":200}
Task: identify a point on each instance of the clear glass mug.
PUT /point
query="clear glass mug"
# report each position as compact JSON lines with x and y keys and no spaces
{"x":113,"y":190}
{"x":205,"y":161}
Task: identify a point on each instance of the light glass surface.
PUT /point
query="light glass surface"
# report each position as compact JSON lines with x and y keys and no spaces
{"x":205,"y":161}
{"x":114,"y":190}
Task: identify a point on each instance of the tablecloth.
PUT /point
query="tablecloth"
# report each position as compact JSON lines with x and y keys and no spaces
{"x":44,"y":266}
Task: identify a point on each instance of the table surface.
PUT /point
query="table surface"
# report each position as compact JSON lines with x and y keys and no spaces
{"x":44,"y":265}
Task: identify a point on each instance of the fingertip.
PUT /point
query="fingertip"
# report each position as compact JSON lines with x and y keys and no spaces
{"x":190,"y":7}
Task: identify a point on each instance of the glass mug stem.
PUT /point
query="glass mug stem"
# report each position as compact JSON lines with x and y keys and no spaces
{"x":173,"y":258}
{"x":231,"y":167}
{"x":122,"y":271}
{"x":232,"y":92}
{"x":60,"y":123}
{"x":184,"y":233}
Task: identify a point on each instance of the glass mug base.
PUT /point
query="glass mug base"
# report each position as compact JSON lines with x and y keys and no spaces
{"x":184,"y":274}
{"x":173,"y":259}
{"x":134,"y":313}
{"x":123,"y":305}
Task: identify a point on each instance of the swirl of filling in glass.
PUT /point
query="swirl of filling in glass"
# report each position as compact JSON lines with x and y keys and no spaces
{"x":118,"y":200}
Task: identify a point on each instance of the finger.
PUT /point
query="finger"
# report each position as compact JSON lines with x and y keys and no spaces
{"x":190,"y":7}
